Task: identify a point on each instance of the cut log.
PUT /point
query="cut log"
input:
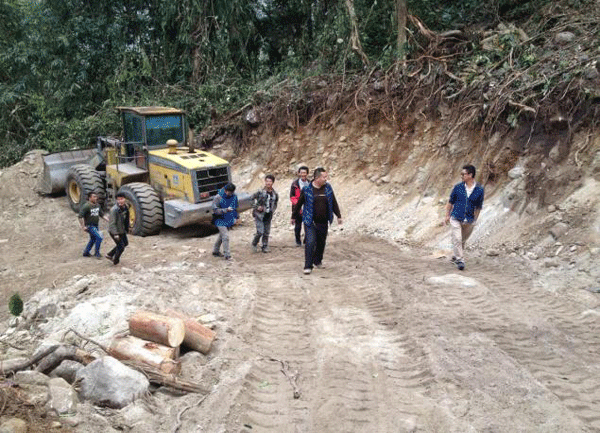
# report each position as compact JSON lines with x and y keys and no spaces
{"x":157,"y":328}
{"x":153,"y":354}
{"x":197,"y":337}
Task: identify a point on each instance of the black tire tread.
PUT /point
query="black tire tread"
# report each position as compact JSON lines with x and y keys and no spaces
{"x":89,"y":180}
{"x":148,"y":208}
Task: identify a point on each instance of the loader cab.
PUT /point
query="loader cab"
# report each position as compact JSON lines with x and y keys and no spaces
{"x":148,"y":128}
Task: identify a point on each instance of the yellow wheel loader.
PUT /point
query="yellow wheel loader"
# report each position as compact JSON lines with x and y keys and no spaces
{"x":164,"y":180}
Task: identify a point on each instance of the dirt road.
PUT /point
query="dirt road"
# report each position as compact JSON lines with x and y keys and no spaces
{"x":384,"y":341}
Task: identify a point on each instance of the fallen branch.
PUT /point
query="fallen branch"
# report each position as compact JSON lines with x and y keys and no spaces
{"x":50,"y":362}
{"x":290,"y":377}
{"x":157,"y":377}
{"x":89,"y":340}
{"x":13,"y":365}
{"x":198,"y":403}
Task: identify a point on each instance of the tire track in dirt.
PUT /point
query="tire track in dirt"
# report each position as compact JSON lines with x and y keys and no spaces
{"x":554,"y":350}
{"x":335,"y":330}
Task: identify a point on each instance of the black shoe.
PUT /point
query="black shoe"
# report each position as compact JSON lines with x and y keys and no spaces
{"x":227,"y":257}
{"x":266,"y":249}
{"x":460,"y":265}
{"x":298,"y":244}
{"x":115,"y":261}
{"x":217,"y":254}
{"x":109,"y":257}
{"x":87,"y":255}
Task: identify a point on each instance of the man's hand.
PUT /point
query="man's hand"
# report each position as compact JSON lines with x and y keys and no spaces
{"x":84,"y":228}
{"x":260,"y":208}
{"x":117,"y":238}
{"x":446,"y":220}
{"x":293,"y":222}
{"x":229,"y":209}
{"x":339,"y":221}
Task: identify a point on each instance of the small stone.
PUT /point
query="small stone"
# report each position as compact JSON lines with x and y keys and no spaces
{"x":532,"y":256}
{"x":31,"y":377}
{"x":126,"y":271}
{"x":492,"y":252}
{"x":573,"y":248}
{"x":559,"y":229}
{"x":593,"y":289}
{"x":551,"y":208}
{"x":13,"y":425}
{"x":55,"y":424}
{"x":516,"y":172}
{"x":550,"y":262}
{"x":564,"y":38}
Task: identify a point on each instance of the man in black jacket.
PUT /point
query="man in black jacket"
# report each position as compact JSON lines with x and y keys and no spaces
{"x":118,"y":227}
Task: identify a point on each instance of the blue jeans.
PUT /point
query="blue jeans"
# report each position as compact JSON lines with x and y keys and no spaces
{"x":315,"y":237}
{"x":95,"y":239}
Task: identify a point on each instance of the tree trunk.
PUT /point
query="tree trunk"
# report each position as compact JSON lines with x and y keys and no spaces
{"x":197,"y":336}
{"x":401,"y":18}
{"x":153,"y":354}
{"x":165,"y":330}
{"x":354,"y":35}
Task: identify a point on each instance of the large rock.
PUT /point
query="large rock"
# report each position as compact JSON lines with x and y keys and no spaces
{"x":107,"y":382}
{"x":63,"y":398}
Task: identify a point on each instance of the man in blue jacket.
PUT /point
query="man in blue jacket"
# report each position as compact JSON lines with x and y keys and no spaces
{"x":462,"y":210}
{"x":225,"y":214}
{"x":320,"y":205}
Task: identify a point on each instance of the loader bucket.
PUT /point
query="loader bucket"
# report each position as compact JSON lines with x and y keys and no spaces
{"x":56,"y":166}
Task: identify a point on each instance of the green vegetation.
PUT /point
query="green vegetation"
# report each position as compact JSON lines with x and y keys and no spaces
{"x":65,"y":64}
{"x":15,"y":305}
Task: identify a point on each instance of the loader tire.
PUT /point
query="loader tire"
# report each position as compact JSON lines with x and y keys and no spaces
{"x":81,"y":180}
{"x":145,"y":210}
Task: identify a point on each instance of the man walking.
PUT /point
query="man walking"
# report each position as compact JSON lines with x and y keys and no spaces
{"x":89,"y":217}
{"x":265,"y":204}
{"x":320,"y":205}
{"x":295,"y":191}
{"x":462,"y":211}
{"x":225,"y":214}
{"x":118,"y":227}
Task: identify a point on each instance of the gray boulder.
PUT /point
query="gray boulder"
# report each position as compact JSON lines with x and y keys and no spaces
{"x":107,"y":382}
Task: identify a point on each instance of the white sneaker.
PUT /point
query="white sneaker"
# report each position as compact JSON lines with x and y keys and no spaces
{"x":307,"y":271}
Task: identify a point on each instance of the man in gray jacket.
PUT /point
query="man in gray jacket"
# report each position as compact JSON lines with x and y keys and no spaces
{"x":265,"y":204}
{"x":118,"y":227}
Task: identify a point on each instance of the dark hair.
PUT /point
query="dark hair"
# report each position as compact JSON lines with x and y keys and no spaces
{"x":91,"y":192}
{"x":230,"y":187}
{"x":304,"y":168}
{"x":318,"y":172}
{"x":470,"y":169}
{"x":270,"y":176}
{"x":120,"y":194}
